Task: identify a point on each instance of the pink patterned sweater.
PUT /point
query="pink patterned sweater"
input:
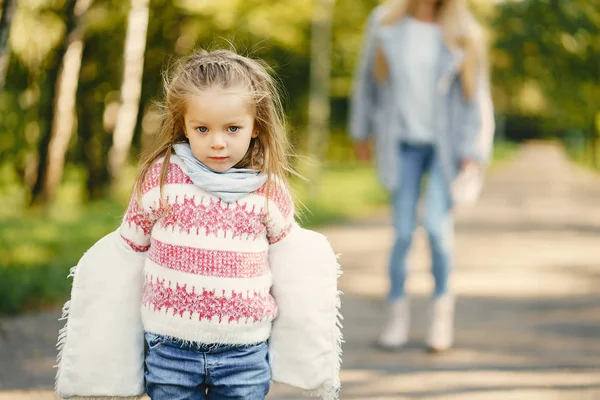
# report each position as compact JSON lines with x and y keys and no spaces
{"x":207,"y":276}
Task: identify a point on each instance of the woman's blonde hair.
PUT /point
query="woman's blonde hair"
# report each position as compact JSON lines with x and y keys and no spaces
{"x":202,"y":70}
{"x":460,"y":29}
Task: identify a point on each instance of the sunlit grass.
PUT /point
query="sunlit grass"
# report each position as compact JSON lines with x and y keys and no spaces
{"x":345,"y":192}
{"x":503,"y":151}
{"x":586,"y":157}
{"x":38,"y":248}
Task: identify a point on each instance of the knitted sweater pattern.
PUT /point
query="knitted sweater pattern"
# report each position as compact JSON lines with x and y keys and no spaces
{"x":206,"y":276}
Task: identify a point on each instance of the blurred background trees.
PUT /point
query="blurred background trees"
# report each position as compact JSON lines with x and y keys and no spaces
{"x":547,"y":72}
{"x":83,"y":75}
{"x":79,"y":78}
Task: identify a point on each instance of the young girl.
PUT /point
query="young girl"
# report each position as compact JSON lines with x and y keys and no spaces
{"x":210,"y":204}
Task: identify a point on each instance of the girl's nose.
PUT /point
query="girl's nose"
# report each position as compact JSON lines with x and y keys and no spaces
{"x":218,"y":141}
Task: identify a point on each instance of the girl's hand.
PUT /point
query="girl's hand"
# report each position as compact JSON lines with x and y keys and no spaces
{"x":362,"y":151}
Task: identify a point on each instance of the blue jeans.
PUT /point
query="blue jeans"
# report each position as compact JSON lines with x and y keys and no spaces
{"x":177,"y":371}
{"x":416,"y":162}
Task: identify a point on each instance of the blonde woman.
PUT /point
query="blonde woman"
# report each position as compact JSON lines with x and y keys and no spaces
{"x":422,"y":92}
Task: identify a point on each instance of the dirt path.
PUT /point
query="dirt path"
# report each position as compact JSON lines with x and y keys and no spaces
{"x":527,"y":277}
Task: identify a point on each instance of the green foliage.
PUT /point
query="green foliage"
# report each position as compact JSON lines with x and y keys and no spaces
{"x":550,"y":46}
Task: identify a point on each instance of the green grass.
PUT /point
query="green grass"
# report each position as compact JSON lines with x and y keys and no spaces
{"x":37,"y":247}
{"x":585,"y":157}
{"x":503,"y":151}
{"x":345,"y":192}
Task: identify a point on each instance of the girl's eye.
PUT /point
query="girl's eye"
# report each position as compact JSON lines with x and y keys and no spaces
{"x":202,"y":129}
{"x":233,"y":129}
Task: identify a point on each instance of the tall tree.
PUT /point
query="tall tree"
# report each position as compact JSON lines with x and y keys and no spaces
{"x":320,"y":82}
{"x":47,"y":103}
{"x":98,"y":92}
{"x":131,"y":87}
{"x":8,"y":10}
{"x":64,"y":116}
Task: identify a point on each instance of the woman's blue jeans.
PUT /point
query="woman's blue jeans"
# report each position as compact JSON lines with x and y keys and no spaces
{"x":417,"y":161}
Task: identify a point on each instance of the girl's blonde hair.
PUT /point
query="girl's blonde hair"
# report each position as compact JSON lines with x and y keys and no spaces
{"x":460,"y":29}
{"x":268,"y":152}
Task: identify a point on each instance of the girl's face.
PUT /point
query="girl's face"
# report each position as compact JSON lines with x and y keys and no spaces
{"x":219,"y":124}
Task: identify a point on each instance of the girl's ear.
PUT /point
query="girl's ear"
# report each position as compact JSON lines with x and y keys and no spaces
{"x":255,"y":133}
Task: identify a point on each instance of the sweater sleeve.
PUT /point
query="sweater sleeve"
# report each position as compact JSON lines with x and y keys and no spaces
{"x":139,"y":218}
{"x":280,"y":212}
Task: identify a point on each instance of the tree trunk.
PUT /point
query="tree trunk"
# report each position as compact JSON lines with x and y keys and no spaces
{"x":8,"y":11}
{"x":47,"y":105}
{"x":93,"y":145}
{"x":64,"y":116}
{"x":320,"y":77}
{"x":131,"y":87}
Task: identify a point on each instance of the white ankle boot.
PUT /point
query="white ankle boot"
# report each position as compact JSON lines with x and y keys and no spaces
{"x":395,"y":333}
{"x":441,"y":329}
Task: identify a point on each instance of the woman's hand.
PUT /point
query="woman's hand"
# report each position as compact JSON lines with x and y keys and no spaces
{"x":362,"y":151}
{"x":467,"y":165}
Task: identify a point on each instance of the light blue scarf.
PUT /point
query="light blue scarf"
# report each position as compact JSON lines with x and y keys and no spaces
{"x":229,"y":186}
